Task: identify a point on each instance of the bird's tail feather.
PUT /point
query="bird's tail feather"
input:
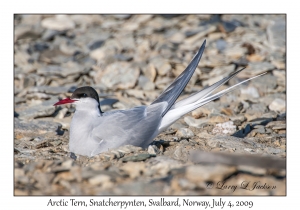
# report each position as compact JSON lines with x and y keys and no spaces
{"x":178,"y":111}
{"x":204,"y":92}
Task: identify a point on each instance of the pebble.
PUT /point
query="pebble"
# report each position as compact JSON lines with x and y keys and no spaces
{"x":249,"y":92}
{"x":277,"y":105}
{"x":58,"y":23}
{"x":99,"y":179}
{"x":153,"y":150}
{"x":184,"y":133}
{"x":224,"y":128}
{"x":118,"y":76}
{"x":256,"y":68}
{"x":44,"y":109}
{"x":138,"y":157}
{"x":279,"y":127}
{"x":200,"y":173}
{"x":134,"y":169}
{"x":195,"y":122}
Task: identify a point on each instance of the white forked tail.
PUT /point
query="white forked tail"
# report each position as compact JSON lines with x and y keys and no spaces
{"x":182,"y":107}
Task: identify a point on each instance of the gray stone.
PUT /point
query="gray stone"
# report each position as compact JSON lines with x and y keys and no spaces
{"x":123,"y":57}
{"x":257,"y":108}
{"x":256,"y":68}
{"x":249,"y":92}
{"x":265,"y":83}
{"x":58,"y":22}
{"x":145,"y":84}
{"x":137,"y":157}
{"x":150,"y":72}
{"x":272,"y":150}
{"x":44,"y":109}
{"x":279,"y":127}
{"x":35,"y":128}
{"x":37,"y":96}
{"x":221,"y":45}
{"x":277,"y":34}
{"x":99,"y":179}
{"x":199,"y":34}
{"x":122,"y":16}
{"x":49,"y":90}
{"x":161,"y":65}
{"x":260,"y":129}
{"x":224,"y":128}
{"x":178,"y":153}
{"x":184,"y":133}
{"x":240,"y":118}
{"x":119,"y":75}
{"x":277,"y":105}
{"x":152,"y":149}
{"x":134,"y":169}
{"x":50,"y":34}
{"x":271,"y":114}
{"x":231,"y":144}
{"x":260,"y":121}
{"x":195,"y":122}
{"x":200,"y":173}
{"x":66,"y":69}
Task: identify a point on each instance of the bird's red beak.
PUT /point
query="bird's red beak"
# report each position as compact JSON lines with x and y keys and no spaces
{"x":65,"y":101}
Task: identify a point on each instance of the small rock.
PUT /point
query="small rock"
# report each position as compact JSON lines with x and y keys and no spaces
{"x":184,"y":133}
{"x":44,"y":109}
{"x":126,"y":149}
{"x":35,"y":128}
{"x":249,"y":92}
{"x":161,"y":65}
{"x":276,"y":34}
{"x":150,"y":72}
{"x":279,"y":127}
{"x":134,"y":170}
{"x":119,"y":75}
{"x":201,"y":173}
{"x":198,"y":113}
{"x":99,"y":179}
{"x":201,"y":32}
{"x":177,"y":38}
{"x":153,"y":150}
{"x":145,"y":83}
{"x":195,"y":122}
{"x":260,"y":129}
{"x":218,"y":118}
{"x":61,"y":114}
{"x":49,"y":90}
{"x":272,"y":150}
{"x":256,"y":68}
{"x":271,"y":114}
{"x":137,"y":157}
{"x":277,"y":105}
{"x":58,"y":22}
{"x":178,"y":154}
{"x":224,"y":128}
{"x":260,"y":121}
{"x":204,"y":134}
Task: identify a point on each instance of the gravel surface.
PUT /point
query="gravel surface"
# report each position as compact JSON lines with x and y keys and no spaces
{"x":235,"y":145}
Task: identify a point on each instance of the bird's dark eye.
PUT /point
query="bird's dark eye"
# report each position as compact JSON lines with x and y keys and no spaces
{"x":84,"y":95}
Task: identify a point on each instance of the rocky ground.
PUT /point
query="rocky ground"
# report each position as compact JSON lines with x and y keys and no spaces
{"x":233,"y":146}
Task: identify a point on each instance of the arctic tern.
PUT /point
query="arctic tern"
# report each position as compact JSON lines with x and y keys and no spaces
{"x":93,"y":131}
